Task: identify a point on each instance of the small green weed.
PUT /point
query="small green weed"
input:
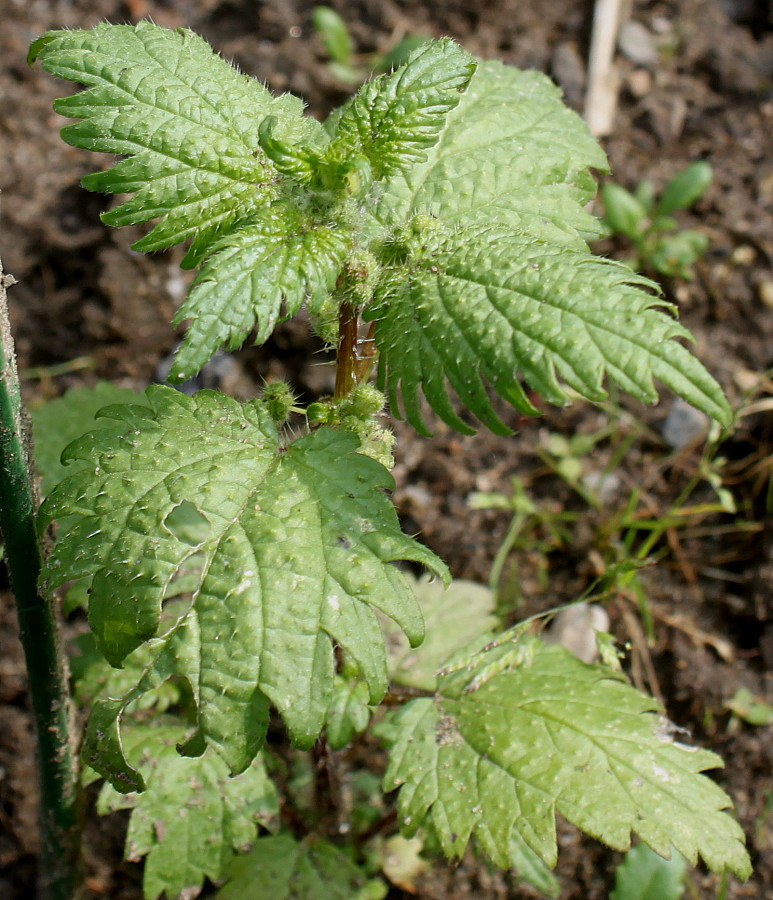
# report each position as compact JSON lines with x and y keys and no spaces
{"x":647,"y":221}
{"x":348,"y":66}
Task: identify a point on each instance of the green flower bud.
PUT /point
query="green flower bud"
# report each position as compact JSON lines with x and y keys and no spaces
{"x":279,"y":400}
{"x":364,"y":401}
{"x":319,"y":413}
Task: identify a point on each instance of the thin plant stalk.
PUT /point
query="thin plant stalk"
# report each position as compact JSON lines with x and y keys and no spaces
{"x":39,"y":631}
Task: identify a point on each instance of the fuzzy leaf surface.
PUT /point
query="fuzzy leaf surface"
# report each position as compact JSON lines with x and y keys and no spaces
{"x":487,"y":306}
{"x":278,"y":259}
{"x":186,"y":121}
{"x":501,"y":751}
{"x":394,"y":119}
{"x":298,"y":554}
{"x":510,"y":153}
{"x":281,"y":868}
{"x":193,"y":815}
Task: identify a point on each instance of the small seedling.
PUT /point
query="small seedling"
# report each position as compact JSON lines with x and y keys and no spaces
{"x":647,"y":221}
{"x":438,"y":220}
{"x":750,"y":709}
{"x":345,"y":64}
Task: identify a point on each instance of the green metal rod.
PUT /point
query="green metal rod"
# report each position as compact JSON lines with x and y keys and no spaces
{"x":39,"y":631}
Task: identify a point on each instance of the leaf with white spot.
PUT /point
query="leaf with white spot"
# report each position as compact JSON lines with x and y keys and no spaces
{"x":193,"y":815}
{"x":281,"y":868}
{"x":499,"y":752}
{"x":297,"y":554}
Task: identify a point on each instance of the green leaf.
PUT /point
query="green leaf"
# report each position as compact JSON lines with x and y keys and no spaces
{"x":280,"y":868}
{"x":186,"y":121}
{"x":502,"y":750}
{"x":175,"y":654}
{"x":453,"y":619}
{"x":645,"y":875}
{"x":623,"y":213}
{"x":395,"y":119}
{"x":348,"y":713}
{"x":277,"y":260}
{"x":95,"y":679}
{"x":511,"y":153}
{"x":299,"y":551}
{"x":59,"y":422}
{"x":192,"y":816}
{"x":333,"y":33}
{"x":674,"y":254}
{"x":399,"y":54}
{"x":490,"y":305}
{"x":685,"y":188}
{"x":751,"y":709}
{"x":530,"y":868}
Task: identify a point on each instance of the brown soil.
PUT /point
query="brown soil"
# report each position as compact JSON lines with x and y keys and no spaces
{"x":82,"y":294}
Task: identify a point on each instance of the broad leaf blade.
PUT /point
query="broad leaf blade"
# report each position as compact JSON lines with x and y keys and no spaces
{"x":453,"y":618}
{"x":278,"y":259}
{"x":186,"y":121}
{"x":348,"y":713}
{"x":59,"y":422}
{"x":152,"y":665}
{"x":394,"y":119}
{"x":280,"y":868}
{"x":95,"y":678}
{"x":644,"y":875}
{"x":511,"y":153}
{"x":530,"y":868}
{"x":493,"y":305}
{"x":298,"y":554}
{"x":556,"y":735}
{"x":192,"y":816}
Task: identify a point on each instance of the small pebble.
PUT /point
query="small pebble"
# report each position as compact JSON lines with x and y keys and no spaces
{"x":766,"y":293}
{"x":743,"y":255}
{"x":637,"y":44}
{"x":684,"y":424}
{"x":640,"y":83}
{"x":575,"y":629}
{"x":604,"y":485}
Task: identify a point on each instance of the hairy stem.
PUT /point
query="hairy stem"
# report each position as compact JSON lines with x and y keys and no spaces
{"x":46,"y":663}
{"x":366,"y":354}
{"x":355,"y":356}
{"x":346,"y":358}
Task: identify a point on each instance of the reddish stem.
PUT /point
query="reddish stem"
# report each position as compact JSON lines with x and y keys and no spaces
{"x":346,"y":359}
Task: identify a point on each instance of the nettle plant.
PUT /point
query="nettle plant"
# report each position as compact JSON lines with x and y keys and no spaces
{"x":434,"y":229}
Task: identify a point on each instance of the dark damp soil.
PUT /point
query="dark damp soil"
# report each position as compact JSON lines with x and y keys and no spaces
{"x":85,"y":299}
